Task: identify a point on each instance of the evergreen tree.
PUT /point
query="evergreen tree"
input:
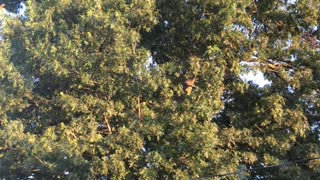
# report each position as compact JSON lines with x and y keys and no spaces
{"x":270,"y":125}
{"x":80,"y":100}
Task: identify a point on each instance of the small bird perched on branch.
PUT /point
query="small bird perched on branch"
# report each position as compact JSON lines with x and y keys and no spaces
{"x":2,"y":6}
{"x":190,"y":85}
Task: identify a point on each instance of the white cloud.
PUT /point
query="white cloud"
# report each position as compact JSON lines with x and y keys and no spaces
{"x":256,"y":78}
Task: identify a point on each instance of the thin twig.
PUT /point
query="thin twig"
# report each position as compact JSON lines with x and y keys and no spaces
{"x":108,"y":125}
{"x":139,"y":109}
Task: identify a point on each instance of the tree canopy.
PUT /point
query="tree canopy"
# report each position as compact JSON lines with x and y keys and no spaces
{"x":129,"y":89}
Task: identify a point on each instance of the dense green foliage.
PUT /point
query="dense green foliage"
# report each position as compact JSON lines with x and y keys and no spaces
{"x":80,"y":100}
